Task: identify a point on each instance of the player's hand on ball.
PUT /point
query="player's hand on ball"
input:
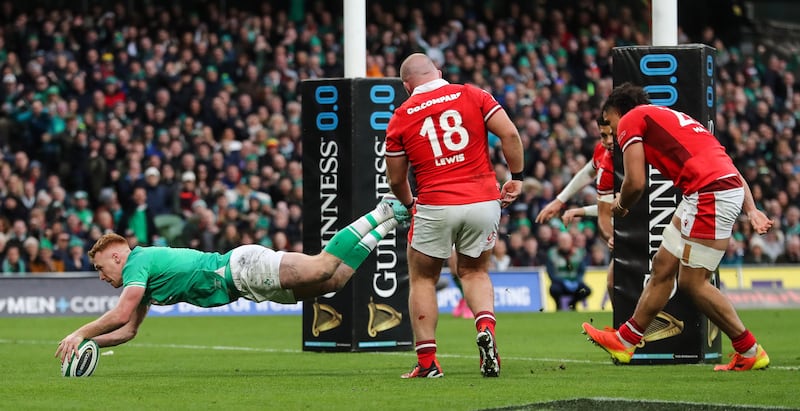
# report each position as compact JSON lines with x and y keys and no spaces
{"x":68,"y":346}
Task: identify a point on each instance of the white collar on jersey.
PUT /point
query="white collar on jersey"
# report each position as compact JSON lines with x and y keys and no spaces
{"x":430,"y":86}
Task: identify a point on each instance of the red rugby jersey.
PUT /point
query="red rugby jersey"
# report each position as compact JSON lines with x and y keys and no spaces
{"x":681,"y":148}
{"x":442,"y":130}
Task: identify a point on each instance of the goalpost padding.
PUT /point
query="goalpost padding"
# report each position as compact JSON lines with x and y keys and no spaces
{"x":344,"y":176}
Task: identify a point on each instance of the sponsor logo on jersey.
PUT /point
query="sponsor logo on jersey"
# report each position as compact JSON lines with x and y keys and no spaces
{"x":433,"y":101}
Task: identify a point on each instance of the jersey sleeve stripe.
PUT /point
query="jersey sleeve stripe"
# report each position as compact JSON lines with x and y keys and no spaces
{"x":631,"y":141}
{"x":136,"y":284}
{"x":395,"y":153}
{"x":491,"y":113}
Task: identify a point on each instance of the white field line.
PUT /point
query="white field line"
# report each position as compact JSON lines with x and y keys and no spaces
{"x":295,"y":351}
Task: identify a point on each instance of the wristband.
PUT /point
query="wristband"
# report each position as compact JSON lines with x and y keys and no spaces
{"x":409,"y":205}
{"x":517,"y":176}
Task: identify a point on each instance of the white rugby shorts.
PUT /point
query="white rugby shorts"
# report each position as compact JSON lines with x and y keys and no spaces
{"x":255,"y":270}
{"x":710,"y":215}
{"x":470,"y":228}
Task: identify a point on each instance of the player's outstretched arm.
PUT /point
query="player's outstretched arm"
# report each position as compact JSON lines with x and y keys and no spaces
{"x":108,"y":322}
{"x":549,"y":211}
{"x":580,"y":180}
{"x":572,"y":214}
{"x":126,"y":332}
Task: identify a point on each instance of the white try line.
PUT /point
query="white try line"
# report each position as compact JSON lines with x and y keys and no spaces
{"x":295,"y":351}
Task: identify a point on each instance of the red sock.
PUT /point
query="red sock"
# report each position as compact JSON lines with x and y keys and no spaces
{"x":631,"y":332}
{"x":743,"y":342}
{"x":485,"y":319}
{"x":426,"y":352}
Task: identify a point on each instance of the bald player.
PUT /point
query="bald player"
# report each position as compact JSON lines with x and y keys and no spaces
{"x":441,"y":131}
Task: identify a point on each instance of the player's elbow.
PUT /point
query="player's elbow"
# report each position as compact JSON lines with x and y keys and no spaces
{"x":129,"y":334}
{"x":120,"y":337}
{"x":336,"y":285}
{"x":125,"y":335}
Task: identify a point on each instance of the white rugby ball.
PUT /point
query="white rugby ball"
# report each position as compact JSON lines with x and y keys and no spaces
{"x":84,"y":362}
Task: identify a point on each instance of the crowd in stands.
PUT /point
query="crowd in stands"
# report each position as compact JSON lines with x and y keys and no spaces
{"x":182,"y":128}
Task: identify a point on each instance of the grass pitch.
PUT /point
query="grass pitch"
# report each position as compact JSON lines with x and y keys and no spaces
{"x":257,"y":363}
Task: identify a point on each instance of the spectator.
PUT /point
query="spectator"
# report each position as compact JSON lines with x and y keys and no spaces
{"x":734,"y":254}
{"x":139,"y":219}
{"x":30,"y":250}
{"x":77,"y":260}
{"x":791,"y":224}
{"x":18,"y":234}
{"x":200,"y":229}
{"x":792,"y":254}
{"x":159,"y":198}
{"x":61,"y":247}
{"x":81,"y":208}
{"x":774,"y":243}
{"x":187,"y":195}
{"x":500,"y":260}
{"x":231,"y":238}
{"x":44,"y":262}
{"x":532,"y":255}
{"x":13,"y":209}
{"x":13,"y":263}
{"x":566,"y":266}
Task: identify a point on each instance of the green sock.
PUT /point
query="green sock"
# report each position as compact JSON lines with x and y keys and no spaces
{"x":359,"y":253}
{"x":347,"y":238}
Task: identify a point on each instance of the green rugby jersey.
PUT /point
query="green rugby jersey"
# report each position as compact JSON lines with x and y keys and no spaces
{"x":173,"y":275}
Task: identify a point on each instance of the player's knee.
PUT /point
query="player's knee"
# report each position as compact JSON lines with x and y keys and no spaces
{"x":325,"y":267}
{"x":665,"y":267}
{"x":324,"y":274}
{"x":127,"y":335}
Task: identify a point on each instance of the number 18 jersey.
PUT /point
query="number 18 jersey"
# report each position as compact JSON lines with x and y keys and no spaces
{"x":441,"y":128}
